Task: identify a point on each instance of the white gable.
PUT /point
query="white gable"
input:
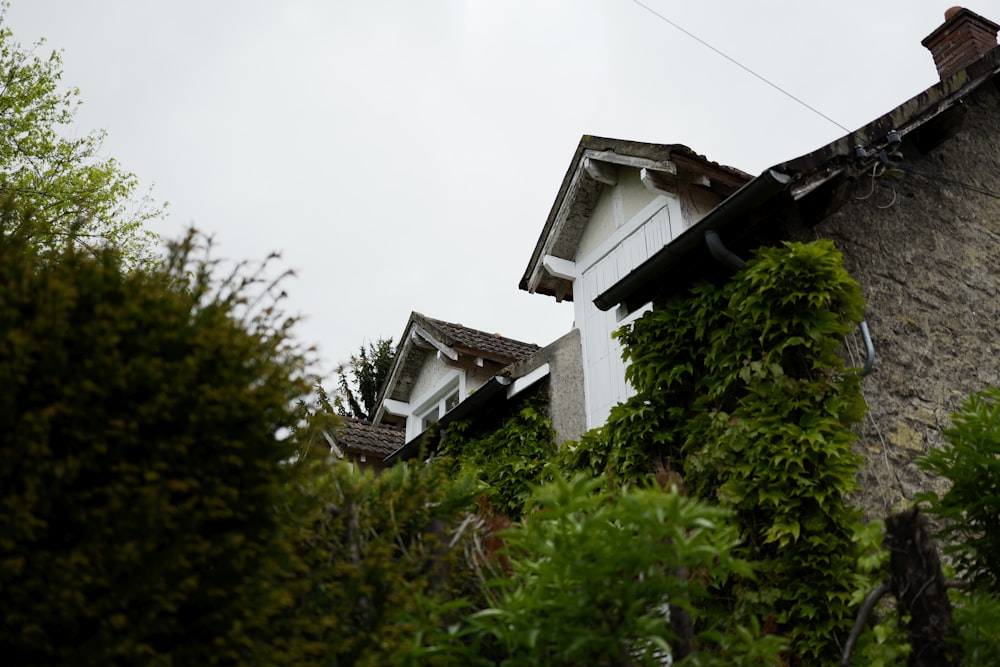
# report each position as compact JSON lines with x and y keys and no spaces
{"x":630,"y":223}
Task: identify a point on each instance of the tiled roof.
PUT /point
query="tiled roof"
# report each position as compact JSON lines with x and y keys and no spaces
{"x":490,"y":344}
{"x":358,"y":437}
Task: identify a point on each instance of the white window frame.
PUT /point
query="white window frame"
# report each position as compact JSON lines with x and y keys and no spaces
{"x":435,"y":398}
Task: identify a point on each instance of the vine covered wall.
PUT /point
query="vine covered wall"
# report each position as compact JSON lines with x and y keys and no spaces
{"x":742,"y":392}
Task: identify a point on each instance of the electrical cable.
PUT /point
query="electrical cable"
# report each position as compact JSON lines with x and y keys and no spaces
{"x":950,"y":181}
{"x":741,"y":65}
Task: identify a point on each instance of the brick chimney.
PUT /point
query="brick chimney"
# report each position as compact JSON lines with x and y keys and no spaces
{"x":962,"y":39}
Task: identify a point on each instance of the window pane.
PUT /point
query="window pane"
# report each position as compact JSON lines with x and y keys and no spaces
{"x":431,"y":416}
{"x":451,"y":401}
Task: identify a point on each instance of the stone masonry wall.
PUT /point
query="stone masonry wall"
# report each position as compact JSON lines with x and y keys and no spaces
{"x":927,"y":254}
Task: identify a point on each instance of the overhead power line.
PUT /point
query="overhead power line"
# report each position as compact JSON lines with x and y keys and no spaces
{"x":740,"y":65}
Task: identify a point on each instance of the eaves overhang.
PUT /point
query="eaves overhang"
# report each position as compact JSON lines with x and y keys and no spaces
{"x":745,"y":200}
{"x":594,"y":166}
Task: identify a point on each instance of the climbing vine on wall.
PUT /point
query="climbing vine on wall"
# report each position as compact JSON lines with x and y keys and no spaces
{"x":508,"y":459}
{"x":741,"y":390}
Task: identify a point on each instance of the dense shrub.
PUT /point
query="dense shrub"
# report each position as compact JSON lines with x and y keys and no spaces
{"x":604,"y":577}
{"x":381,"y":566}
{"x":971,"y":507}
{"x":140,"y":456}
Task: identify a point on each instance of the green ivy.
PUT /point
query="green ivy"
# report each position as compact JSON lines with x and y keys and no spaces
{"x":741,"y":388}
{"x":592,"y":571}
{"x":508,"y":459}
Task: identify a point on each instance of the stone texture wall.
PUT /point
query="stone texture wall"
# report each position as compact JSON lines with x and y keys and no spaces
{"x":927,"y":254}
{"x":566,"y":399}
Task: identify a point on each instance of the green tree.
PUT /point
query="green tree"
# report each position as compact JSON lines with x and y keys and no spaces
{"x":76,"y":193}
{"x":143,"y":422}
{"x":368,"y":371}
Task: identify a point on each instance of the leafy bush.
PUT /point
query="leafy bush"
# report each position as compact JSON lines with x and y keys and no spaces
{"x":508,"y":459}
{"x":380,"y":569}
{"x":140,"y":456}
{"x":595,"y":576}
{"x":740,"y":388}
{"x":977,"y":623}
{"x":970,"y":509}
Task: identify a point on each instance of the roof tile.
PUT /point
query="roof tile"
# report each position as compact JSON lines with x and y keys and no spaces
{"x":358,"y":437}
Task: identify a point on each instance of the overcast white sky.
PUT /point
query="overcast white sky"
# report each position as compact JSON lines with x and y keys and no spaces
{"x":404,"y":155}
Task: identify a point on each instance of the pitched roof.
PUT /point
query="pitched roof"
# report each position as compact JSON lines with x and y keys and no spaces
{"x":582,"y":185}
{"x":358,"y":437}
{"x":805,"y":189}
{"x":492,"y":345}
{"x":424,"y":336}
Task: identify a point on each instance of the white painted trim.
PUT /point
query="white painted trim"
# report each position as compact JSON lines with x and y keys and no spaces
{"x":394,"y":407}
{"x":451,"y":381}
{"x":601,"y":171}
{"x":334,"y":449}
{"x":658,"y":181}
{"x":630,"y":161}
{"x":626,"y":318}
{"x":525,"y":381}
{"x":574,"y":186}
{"x":422,"y":333}
{"x":618,"y":204}
{"x":557,"y":267}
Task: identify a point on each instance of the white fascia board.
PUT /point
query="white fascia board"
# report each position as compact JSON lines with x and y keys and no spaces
{"x":394,"y":407}
{"x":557,"y":267}
{"x":525,"y":381}
{"x":334,"y":448}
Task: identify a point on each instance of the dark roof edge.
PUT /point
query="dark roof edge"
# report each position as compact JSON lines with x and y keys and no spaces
{"x":482,"y":397}
{"x":817,"y":164}
{"x":744,"y":200}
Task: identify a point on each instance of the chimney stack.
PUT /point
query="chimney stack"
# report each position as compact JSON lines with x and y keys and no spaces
{"x":962,"y":39}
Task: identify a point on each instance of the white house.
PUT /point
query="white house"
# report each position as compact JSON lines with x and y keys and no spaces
{"x":437,"y":366}
{"x":620,"y":203}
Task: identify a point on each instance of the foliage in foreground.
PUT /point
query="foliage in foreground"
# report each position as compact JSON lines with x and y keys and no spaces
{"x":741,"y":391}
{"x":380,"y":568}
{"x":140,"y":457}
{"x":80,"y":195}
{"x":970,"y":509}
{"x":601,"y":576}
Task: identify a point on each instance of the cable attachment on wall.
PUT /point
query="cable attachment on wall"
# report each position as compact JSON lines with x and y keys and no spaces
{"x":888,"y":156}
{"x":874,"y":175}
{"x":891,"y":154}
{"x":886,"y":160}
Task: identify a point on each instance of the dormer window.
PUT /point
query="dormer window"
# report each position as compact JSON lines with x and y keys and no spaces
{"x":439,"y":409}
{"x":435,"y":404}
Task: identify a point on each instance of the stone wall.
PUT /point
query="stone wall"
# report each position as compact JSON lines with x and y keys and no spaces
{"x":927,"y":254}
{"x":566,"y":399}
